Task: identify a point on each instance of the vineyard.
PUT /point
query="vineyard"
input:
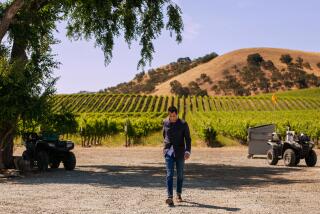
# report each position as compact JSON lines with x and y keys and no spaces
{"x":122,"y":104}
{"x":101,"y":115}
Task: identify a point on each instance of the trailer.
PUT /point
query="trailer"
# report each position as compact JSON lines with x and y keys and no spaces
{"x":258,"y":139}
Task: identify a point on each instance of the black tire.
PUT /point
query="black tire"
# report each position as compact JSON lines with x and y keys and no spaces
{"x":70,"y":161}
{"x":311,"y":158}
{"x":272,"y":157}
{"x":25,"y":155}
{"x":55,"y":164}
{"x":297,"y":160}
{"x":289,"y":157}
{"x":42,"y":161}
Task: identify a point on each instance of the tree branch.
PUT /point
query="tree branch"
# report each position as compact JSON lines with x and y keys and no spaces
{"x":9,"y":14}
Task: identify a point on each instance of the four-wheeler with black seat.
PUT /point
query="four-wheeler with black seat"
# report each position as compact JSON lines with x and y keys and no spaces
{"x":47,"y":150}
{"x":292,"y":149}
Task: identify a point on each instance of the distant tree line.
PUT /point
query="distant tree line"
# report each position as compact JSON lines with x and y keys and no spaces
{"x":193,"y":87}
{"x":145,"y":82}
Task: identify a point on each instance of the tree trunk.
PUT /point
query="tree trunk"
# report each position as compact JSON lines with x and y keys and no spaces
{"x":18,"y":54}
{"x":8,"y":128}
{"x":7,"y":133}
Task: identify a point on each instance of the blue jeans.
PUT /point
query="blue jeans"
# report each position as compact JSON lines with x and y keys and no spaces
{"x":170,"y":161}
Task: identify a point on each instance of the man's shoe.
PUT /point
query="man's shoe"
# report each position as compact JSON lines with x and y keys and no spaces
{"x":169,"y":201}
{"x":179,"y":199}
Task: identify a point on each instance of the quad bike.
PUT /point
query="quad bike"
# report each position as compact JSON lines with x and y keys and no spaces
{"x":291,"y":150}
{"x":47,"y":150}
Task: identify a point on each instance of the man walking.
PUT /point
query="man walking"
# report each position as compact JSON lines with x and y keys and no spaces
{"x":176,"y":149}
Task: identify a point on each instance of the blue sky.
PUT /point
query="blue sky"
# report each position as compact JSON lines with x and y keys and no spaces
{"x":210,"y":26}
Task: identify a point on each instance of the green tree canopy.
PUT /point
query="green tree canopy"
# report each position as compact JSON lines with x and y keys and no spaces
{"x":27,"y":33}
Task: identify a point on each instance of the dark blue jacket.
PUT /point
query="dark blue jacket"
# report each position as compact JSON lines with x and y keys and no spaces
{"x":178,"y":135}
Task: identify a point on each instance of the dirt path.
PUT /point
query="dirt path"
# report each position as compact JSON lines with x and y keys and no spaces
{"x":120,"y":180}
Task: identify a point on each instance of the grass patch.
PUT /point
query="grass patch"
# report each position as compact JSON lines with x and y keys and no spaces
{"x":226,"y":141}
{"x":153,"y":139}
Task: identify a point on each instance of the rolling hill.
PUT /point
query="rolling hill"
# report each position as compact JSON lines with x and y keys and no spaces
{"x":216,"y":67}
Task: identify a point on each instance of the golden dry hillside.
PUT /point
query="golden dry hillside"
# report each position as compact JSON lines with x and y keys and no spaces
{"x":215,"y":68}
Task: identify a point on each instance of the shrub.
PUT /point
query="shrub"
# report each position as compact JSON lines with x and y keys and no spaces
{"x":307,"y":65}
{"x":255,"y":59}
{"x":286,"y":59}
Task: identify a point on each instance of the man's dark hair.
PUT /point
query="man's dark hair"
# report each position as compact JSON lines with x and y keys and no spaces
{"x":172,"y":109}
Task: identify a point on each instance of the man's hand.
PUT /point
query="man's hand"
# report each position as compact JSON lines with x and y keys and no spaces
{"x":186,"y":155}
{"x":164,"y":151}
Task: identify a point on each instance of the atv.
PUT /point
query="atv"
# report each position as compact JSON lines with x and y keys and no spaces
{"x":47,"y":150}
{"x":291,"y":150}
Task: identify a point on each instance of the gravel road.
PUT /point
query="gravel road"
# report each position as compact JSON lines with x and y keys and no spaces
{"x":131,"y":180}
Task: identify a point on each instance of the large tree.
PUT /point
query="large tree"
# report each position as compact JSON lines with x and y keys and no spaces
{"x":27,"y":32}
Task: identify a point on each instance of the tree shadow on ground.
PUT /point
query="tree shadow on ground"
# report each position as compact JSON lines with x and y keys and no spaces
{"x":197,"y":176}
